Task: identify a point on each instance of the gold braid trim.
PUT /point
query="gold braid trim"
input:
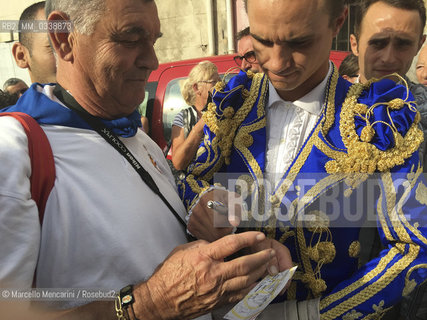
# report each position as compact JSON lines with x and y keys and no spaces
{"x":324,"y":125}
{"x":291,"y":293}
{"x":210,"y":149}
{"x":401,"y":203}
{"x":196,"y":188}
{"x":244,"y":140}
{"x":322,"y":146}
{"x":313,"y":194}
{"x":411,"y":284}
{"x":275,"y":198}
{"x":362,"y":156}
{"x":378,"y":314}
{"x":353,"y":315}
{"x":391,"y":202}
{"x":308,"y":278}
{"x":391,"y":208}
{"x":381,"y":217}
{"x":371,"y":290}
{"x":421,"y":194}
{"x":225,"y":128}
{"x":354,"y":249}
{"x":399,"y":217}
{"x":321,"y":252}
{"x":209,"y":175}
{"x":362,"y":281}
{"x":330,"y":109}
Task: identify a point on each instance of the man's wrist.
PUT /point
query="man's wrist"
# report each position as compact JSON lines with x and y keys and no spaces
{"x":124,"y":304}
{"x":144,"y":307}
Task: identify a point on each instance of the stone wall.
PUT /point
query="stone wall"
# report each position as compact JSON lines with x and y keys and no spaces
{"x":185,"y":29}
{"x":184,"y":25}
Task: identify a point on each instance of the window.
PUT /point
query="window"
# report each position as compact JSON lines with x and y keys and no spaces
{"x":174,"y":103}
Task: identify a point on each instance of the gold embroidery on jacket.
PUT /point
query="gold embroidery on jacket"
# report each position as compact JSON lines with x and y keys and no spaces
{"x":353,"y":315}
{"x":362,"y":156}
{"x":391,"y":272}
{"x":410,"y":284}
{"x":421,"y":194}
{"x":354,"y":249}
{"x":225,"y":128}
{"x":324,"y":125}
{"x":384,"y":261}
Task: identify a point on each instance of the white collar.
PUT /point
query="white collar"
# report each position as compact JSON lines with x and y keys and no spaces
{"x":312,"y":102}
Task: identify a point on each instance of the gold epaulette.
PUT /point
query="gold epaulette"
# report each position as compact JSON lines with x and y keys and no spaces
{"x":362,"y":155}
{"x":224,"y":119}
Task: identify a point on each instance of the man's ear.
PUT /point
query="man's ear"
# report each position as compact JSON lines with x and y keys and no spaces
{"x":422,"y":40}
{"x":196,"y":88}
{"x":62,"y":42}
{"x":340,"y":21}
{"x":353,"y":44}
{"x":21,"y":55}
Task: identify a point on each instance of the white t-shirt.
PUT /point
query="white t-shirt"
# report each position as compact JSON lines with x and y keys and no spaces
{"x":103,"y":227}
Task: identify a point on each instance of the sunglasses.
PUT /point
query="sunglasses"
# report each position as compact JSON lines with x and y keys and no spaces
{"x":248,"y":56}
{"x":208,"y":81}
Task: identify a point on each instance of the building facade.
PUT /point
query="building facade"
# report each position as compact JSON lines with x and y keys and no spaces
{"x":191,"y":29}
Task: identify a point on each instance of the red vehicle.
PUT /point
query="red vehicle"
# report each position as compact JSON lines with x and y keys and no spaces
{"x":163,"y":98}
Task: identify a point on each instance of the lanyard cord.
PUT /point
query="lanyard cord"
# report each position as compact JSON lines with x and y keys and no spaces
{"x":114,"y":141}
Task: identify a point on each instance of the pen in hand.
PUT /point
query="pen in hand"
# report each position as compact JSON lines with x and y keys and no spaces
{"x":218,"y":206}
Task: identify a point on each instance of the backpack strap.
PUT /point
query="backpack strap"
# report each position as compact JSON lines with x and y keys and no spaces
{"x":42,"y":163}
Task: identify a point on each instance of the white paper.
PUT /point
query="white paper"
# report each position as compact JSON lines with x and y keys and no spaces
{"x":260,"y":296}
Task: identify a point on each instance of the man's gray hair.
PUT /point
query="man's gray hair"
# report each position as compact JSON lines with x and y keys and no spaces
{"x":83,"y":13}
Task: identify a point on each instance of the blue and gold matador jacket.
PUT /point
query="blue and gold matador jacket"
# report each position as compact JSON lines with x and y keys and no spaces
{"x":360,"y":164}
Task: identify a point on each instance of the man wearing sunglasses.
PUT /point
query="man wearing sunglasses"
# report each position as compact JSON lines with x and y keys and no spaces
{"x":246,"y":58}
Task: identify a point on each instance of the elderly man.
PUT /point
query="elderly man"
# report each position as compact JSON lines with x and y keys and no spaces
{"x":33,"y":51}
{"x":246,"y":58}
{"x":113,"y":215}
{"x":388,"y":35}
{"x":313,"y":157}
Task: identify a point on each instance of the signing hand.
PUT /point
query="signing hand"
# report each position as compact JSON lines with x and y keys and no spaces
{"x":209,"y":224}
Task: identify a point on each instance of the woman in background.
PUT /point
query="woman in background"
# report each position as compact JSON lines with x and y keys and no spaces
{"x":187,"y":128}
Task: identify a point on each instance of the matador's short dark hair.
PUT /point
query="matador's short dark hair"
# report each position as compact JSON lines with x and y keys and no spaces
{"x":335,"y":7}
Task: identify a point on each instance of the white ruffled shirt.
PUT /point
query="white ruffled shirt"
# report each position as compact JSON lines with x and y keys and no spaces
{"x":288,"y":126}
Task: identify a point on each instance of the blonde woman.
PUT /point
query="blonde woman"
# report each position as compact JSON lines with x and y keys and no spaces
{"x":187,"y":128}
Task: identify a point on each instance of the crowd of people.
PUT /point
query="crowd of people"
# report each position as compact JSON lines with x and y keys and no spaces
{"x":304,"y":141}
